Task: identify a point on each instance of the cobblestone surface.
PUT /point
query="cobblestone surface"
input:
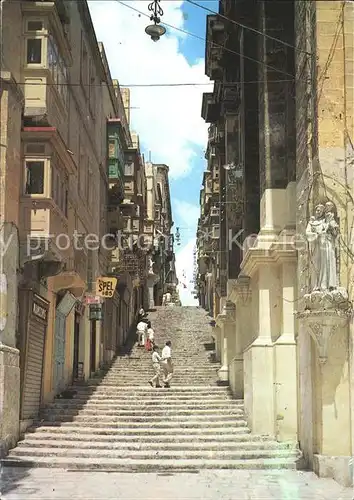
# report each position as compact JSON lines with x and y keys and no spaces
{"x":18,"y":484}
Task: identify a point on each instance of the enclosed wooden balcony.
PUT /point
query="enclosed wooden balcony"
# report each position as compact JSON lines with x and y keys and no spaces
{"x":214,"y":49}
{"x":210,"y":108}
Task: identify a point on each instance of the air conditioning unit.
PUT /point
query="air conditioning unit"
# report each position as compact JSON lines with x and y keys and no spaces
{"x":214,"y":212}
{"x":215,"y":232}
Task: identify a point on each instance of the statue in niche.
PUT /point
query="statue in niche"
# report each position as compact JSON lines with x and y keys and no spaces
{"x":321,"y":233}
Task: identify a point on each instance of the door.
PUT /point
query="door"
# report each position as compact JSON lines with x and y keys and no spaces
{"x":64,"y":306}
{"x":32,"y":390}
{"x":76,"y":346}
{"x":93,"y":346}
{"x":59,"y":364}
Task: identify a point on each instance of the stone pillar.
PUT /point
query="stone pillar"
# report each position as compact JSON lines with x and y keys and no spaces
{"x":258,"y":361}
{"x":9,"y":355}
{"x":217,"y":338}
{"x":9,"y":398}
{"x":151,"y":297}
{"x":226,"y":320}
{"x":275,"y":123}
{"x":243,"y":315}
{"x":285,"y":362}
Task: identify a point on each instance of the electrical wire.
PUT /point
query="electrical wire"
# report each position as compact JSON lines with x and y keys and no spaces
{"x":145,"y":85}
{"x":213,"y":44}
{"x":249,"y":28}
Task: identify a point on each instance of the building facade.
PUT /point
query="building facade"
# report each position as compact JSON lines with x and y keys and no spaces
{"x":162,"y":272}
{"x":73,"y":199}
{"x":282,"y":108}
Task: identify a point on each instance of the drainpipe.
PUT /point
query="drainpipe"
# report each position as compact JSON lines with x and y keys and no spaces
{"x":3,"y":284}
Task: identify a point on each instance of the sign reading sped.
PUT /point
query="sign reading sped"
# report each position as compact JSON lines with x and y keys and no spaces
{"x":105,"y":287}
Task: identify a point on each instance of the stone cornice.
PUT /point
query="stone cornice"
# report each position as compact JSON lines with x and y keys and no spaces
{"x":278,"y":253}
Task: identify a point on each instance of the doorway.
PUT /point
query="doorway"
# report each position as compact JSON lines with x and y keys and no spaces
{"x":93,"y":347}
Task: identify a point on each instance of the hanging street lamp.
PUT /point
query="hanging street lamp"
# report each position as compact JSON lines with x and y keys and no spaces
{"x":155,"y":31}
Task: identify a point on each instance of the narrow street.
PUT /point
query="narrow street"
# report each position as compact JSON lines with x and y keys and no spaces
{"x":192,"y":438}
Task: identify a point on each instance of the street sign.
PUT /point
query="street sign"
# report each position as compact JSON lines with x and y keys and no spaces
{"x":105,"y":287}
{"x":91,"y":299}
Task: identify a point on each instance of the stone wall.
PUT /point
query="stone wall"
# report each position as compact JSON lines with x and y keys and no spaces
{"x":324,"y":93}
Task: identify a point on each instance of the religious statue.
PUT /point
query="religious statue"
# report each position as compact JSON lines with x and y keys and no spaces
{"x":322,"y":232}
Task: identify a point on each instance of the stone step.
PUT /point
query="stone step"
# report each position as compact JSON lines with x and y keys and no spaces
{"x":182,"y":439}
{"x":123,"y":383}
{"x":165,"y":398}
{"x":163,"y":420}
{"x":146,"y":454}
{"x":170,"y":425}
{"x":152,"y":446}
{"x":145,"y":391}
{"x":142,"y":432}
{"x":175,"y":389}
{"x":148,"y":413}
{"x":148,"y":465}
{"x":143,"y":406}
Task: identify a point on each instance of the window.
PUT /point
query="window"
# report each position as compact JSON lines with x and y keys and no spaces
{"x":129,"y":169}
{"x":82,"y":172}
{"x":34,"y":177}
{"x":112,"y":148}
{"x":84,"y":70}
{"x":34,"y":51}
{"x":92,"y":89}
{"x":59,"y":187}
{"x":89,"y":186}
{"x":58,"y":69}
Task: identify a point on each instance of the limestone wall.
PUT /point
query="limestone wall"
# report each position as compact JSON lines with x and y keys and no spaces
{"x":324,"y":90}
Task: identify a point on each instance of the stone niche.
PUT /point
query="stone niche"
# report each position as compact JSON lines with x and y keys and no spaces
{"x":324,"y":353}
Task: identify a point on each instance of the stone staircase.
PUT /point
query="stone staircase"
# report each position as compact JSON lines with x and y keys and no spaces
{"x":119,"y":422}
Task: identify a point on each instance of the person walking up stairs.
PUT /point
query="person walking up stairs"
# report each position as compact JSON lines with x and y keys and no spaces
{"x":119,"y":423}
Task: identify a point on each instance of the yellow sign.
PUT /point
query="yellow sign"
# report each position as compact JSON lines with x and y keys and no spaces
{"x":105,"y":287}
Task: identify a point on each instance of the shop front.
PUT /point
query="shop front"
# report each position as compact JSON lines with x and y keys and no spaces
{"x":33,"y":323}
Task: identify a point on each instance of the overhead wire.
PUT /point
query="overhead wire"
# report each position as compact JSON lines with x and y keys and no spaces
{"x":137,"y":85}
{"x":249,"y":28}
{"x":213,"y":44}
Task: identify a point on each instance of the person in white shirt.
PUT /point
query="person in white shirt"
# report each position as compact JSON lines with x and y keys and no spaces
{"x":141,"y":331}
{"x":151,"y":333}
{"x":156,"y":358}
{"x":166,"y":363}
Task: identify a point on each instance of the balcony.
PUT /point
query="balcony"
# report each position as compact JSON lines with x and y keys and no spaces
{"x":231,"y":99}
{"x":210,"y":109}
{"x":47,"y":57}
{"x":45,"y":192}
{"x":115,"y":195}
{"x":115,"y":144}
{"x":216,"y":37}
{"x":212,"y":133}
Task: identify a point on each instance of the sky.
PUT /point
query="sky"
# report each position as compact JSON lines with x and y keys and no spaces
{"x":167,"y":119}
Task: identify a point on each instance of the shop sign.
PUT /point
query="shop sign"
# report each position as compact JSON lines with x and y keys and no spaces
{"x":39,"y":311}
{"x":105,"y":287}
{"x":96,"y":313}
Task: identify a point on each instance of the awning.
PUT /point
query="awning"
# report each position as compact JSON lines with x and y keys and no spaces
{"x":70,"y":281}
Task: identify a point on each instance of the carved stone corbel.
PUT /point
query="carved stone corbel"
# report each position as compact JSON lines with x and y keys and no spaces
{"x":322,"y":325}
